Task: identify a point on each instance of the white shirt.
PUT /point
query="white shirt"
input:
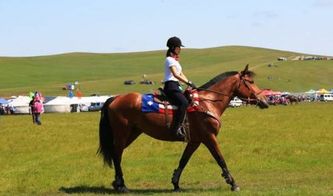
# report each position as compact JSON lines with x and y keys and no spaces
{"x":171,"y":62}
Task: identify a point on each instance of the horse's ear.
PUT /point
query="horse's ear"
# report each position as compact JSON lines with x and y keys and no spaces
{"x":245,"y":70}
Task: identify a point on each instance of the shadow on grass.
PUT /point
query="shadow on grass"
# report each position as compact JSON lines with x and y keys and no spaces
{"x":103,"y":190}
{"x":87,"y":189}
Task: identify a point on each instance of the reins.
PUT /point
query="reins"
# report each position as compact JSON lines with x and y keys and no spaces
{"x":220,"y":93}
{"x":225,"y":95}
{"x":213,"y":91}
{"x":217,"y":92}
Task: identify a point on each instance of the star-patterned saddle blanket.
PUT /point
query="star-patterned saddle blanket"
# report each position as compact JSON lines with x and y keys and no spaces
{"x":153,"y":103}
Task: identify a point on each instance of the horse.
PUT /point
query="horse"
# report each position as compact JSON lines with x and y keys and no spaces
{"x":122,"y":122}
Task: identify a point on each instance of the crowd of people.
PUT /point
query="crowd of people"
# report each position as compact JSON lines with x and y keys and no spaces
{"x":6,"y":109}
{"x":288,"y":99}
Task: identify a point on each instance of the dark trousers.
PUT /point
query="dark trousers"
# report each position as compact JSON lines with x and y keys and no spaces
{"x":36,"y":117}
{"x":176,"y":96}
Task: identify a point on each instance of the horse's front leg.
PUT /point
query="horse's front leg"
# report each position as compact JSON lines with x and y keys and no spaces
{"x":189,"y":150}
{"x":213,"y":147}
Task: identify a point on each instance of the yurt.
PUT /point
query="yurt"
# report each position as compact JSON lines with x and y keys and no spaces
{"x":58,"y":104}
{"x":20,"y":104}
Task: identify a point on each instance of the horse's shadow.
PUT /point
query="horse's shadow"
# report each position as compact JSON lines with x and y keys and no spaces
{"x":103,"y":190}
{"x":86,"y":189}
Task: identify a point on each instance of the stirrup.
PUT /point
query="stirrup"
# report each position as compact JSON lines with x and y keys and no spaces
{"x":181,"y":131}
{"x":180,"y":134}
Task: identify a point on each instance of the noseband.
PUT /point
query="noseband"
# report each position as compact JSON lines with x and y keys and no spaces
{"x":241,"y":79}
{"x":246,"y":83}
{"x":252,"y":92}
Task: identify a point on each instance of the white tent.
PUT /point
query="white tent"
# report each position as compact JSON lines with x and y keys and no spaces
{"x":83,"y":103}
{"x":64,"y":104}
{"x":58,"y":104}
{"x":89,"y":100}
{"x":311,"y":91}
{"x":20,"y":104}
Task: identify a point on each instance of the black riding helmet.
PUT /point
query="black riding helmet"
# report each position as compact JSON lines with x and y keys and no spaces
{"x":174,"y":42}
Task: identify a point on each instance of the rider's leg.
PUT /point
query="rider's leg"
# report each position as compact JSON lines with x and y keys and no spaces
{"x":172,"y":90}
{"x":182,"y":104}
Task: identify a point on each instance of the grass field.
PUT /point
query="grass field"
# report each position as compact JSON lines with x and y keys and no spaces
{"x":105,"y":73}
{"x":285,"y":150}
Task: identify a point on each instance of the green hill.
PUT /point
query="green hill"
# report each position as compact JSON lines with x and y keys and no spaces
{"x":105,"y":73}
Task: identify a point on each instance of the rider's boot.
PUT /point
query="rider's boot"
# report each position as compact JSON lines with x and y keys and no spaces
{"x":178,"y":130}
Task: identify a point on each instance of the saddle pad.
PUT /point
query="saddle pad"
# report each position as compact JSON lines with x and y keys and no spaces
{"x":149,"y":105}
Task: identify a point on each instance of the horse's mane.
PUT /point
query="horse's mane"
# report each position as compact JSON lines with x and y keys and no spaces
{"x":218,"y":78}
{"x":223,"y":76}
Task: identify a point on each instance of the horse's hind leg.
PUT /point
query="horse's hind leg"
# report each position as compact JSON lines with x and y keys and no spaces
{"x":133,"y":135}
{"x":189,"y":150}
{"x":119,"y":183}
{"x":119,"y":146}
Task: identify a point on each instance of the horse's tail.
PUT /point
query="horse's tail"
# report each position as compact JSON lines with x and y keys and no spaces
{"x":105,"y":134}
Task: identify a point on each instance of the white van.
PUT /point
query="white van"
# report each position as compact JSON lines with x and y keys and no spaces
{"x":96,"y":106}
{"x":326,"y":97}
{"x":235,"y":102}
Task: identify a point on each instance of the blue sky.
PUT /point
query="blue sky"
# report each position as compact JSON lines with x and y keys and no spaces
{"x":42,"y":27}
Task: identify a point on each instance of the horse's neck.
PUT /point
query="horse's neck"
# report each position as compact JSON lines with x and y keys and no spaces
{"x":222,"y":92}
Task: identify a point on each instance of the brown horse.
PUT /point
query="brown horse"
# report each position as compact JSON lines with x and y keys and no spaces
{"x":122,"y":122}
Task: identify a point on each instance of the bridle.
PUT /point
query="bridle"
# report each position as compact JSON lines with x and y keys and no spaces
{"x":246,"y":82}
{"x":241,"y":79}
{"x":213,"y":91}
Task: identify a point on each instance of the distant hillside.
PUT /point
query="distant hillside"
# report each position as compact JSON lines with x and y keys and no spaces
{"x":105,"y":73}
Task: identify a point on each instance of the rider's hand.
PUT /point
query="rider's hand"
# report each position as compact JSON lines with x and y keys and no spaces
{"x":191,"y":84}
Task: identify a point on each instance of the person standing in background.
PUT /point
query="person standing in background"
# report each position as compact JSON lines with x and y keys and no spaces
{"x":31,"y":104}
{"x":37,"y":108}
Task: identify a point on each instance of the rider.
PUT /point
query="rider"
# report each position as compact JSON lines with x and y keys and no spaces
{"x":172,"y":76}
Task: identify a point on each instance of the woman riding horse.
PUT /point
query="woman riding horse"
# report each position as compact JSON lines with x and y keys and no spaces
{"x":173,"y":75}
{"x":122,"y":122}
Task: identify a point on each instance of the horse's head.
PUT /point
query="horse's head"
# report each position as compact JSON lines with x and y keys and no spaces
{"x":247,"y":90}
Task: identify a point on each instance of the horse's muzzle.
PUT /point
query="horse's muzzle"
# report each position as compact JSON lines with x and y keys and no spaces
{"x":262,"y":102}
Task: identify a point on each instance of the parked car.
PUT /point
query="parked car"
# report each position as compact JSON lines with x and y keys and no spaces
{"x":129,"y":82}
{"x":95,"y":106}
{"x":84,"y":108}
{"x":148,"y":82}
{"x":326,"y":97}
{"x":282,"y":58}
{"x":235,"y":102}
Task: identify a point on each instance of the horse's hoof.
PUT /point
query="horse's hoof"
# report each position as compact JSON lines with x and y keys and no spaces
{"x":177,"y":190}
{"x":123,"y":189}
{"x":235,"y":188}
{"x":119,"y":188}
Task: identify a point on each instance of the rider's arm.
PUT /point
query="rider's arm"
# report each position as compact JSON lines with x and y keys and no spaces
{"x":181,"y":77}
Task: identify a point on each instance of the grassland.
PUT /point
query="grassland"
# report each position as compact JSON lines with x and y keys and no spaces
{"x":105,"y":73}
{"x":285,"y":150}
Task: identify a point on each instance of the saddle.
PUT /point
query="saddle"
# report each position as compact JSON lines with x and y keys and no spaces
{"x":190,"y":94}
{"x":160,"y":96}
{"x":168,"y":108}
{"x":158,"y":102}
